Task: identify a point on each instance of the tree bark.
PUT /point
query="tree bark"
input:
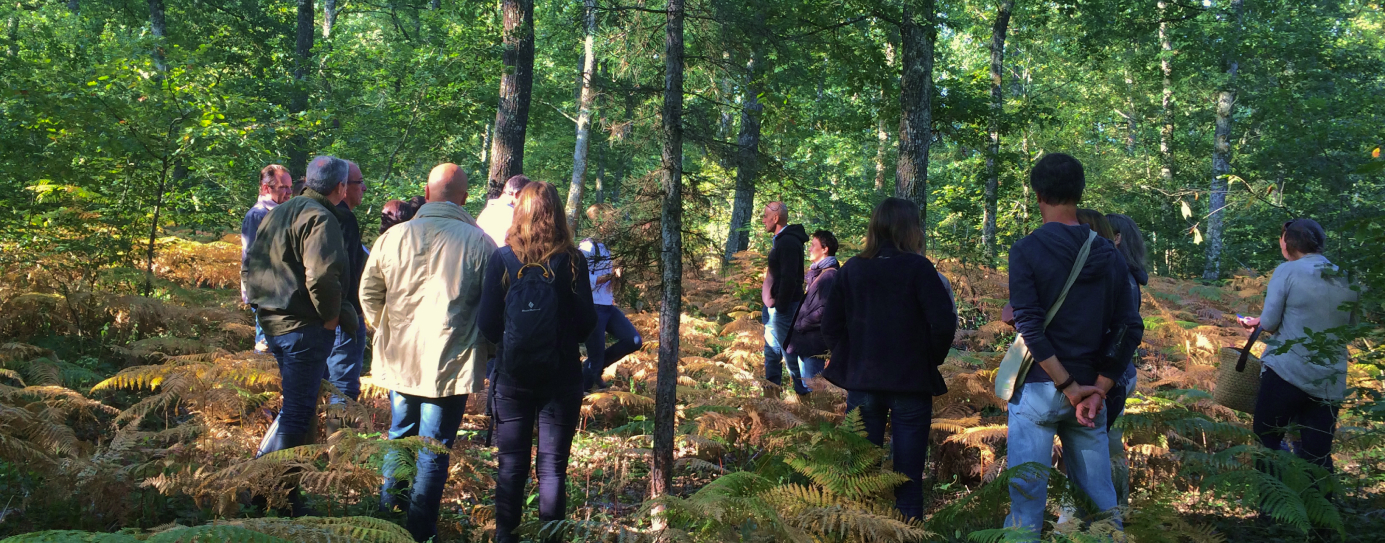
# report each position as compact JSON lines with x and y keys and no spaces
{"x":747,"y":164}
{"x":329,"y":17}
{"x":600,"y":182}
{"x":159,"y":29}
{"x":1221,"y":151}
{"x":512,"y":117}
{"x":587,"y":94}
{"x":1166,"y":100}
{"x":1002,"y":24}
{"x":665,"y":391}
{"x":298,"y":103}
{"x":917,"y":31}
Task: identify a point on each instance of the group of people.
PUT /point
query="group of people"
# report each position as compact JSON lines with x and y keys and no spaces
{"x":458,"y":304}
{"x":455,"y":303}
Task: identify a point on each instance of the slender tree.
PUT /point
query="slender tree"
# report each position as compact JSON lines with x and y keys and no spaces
{"x":159,"y":29}
{"x":512,"y":117}
{"x":998,"y":30}
{"x":917,"y":30}
{"x":587,"y":95}
{"x":298,"y":102}
{"x":747,"y":163}
{"x":1221,"y":148}
{"x":1166,"y":97}
{"x":666,"y":384}
{"x":329,"y":17}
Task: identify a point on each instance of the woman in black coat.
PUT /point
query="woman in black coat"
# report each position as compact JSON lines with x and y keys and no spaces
{"x":890,"y":321}
{"x":805,"y":338}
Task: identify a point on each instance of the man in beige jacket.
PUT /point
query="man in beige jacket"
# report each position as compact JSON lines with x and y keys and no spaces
{"x":420,"y":292}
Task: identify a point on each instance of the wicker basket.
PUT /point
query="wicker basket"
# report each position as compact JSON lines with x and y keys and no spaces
{"x":1238,"y":377}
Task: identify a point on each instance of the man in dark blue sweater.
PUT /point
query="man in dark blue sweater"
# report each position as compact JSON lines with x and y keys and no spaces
{"x":276,"y":187}
{"x":348,"y":354}
{"x":1063,"y":392}
{"x":782,"y":293}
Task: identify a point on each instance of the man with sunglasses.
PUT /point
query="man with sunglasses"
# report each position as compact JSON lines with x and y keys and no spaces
{"x":495,"y":219}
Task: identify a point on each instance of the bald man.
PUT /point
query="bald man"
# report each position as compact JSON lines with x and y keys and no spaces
{"x":348,"y":354}
{"x":782,"y":292}
{"x":420,"y":293}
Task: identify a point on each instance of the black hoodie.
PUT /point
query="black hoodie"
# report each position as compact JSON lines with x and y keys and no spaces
{"x":784,"y":280}
{"x":1099,"y":300}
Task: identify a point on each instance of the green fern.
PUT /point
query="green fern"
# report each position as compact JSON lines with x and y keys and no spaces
{"x":1284,"y":486}
{"x":70,"y":536}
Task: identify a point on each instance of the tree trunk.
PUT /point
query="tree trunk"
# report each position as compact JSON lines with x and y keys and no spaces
{"x":159,"y":29}
{"x":1002,"y":24}
{"x":329,"y":17}
{"x":486,"y":148}
{"x":1166,"y":101}
{"x":665,"y":390}
{"x":298,"y":103}
{"x":1221,"y":151}
{"x":747,"y":164}
{"x":916,"y":31}
{"x":154,"y":225}
{"x":74,"y":6}
{"x":512,"y":117}
{"x":584,"y":116}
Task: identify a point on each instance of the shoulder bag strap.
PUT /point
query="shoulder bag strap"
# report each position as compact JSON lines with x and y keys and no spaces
{"x":1072,"y":277}
{"x":1245,"y":353}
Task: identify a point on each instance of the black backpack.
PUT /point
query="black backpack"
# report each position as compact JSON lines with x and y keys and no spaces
{"x":529,"y":351}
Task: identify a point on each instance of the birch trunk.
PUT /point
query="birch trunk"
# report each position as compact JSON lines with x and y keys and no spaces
{"x":584,"y":116}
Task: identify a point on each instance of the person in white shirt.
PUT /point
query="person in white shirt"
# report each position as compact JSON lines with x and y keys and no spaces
{"x":495,"y":219}
{"x":609,"y":318}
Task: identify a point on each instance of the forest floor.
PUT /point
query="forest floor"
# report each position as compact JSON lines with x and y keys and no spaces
{"x":150,"y":410}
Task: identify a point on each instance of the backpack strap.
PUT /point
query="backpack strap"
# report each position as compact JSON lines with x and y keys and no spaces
{"x":1077,"y":265}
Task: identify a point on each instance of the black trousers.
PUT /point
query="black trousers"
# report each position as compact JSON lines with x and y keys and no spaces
{"x":516,"y":410}
{"x":1282,"y":405}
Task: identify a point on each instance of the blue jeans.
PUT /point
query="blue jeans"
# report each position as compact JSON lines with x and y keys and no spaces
{"x":259,"y":332}
{"x":609,"y":320}
{"x":1120,"y":466}
{"x":344,"y":365}
{"x":910,"y":416}
{"x":1038,"y":412}
{"x":437,"y":418}
{"x":778,"y":322}
{"x":557,"y":415}
{"x":302,"y":356}
{"x":808,"y":368}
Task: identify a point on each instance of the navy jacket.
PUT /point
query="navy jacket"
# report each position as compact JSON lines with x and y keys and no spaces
{"x":576,"y":314}
{"x":805,"y":338}
{"x":355,"y":252}
{"x":784,"y":280}
{"x":890,"y":322}
{"x":1100,"y":300}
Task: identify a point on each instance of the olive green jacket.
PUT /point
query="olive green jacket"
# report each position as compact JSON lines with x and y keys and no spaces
{"x":296,"y":267}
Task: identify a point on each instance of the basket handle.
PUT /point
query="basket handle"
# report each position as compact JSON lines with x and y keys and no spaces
{"x":1245,"y":353}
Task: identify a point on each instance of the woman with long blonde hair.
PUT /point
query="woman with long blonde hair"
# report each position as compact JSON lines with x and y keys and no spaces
{"x":536,"y":305}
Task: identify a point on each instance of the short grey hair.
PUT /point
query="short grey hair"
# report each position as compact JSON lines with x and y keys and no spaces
{"x":325,"y":173}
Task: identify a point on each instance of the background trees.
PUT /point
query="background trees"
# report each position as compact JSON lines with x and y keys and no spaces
{"x":811,"y":102}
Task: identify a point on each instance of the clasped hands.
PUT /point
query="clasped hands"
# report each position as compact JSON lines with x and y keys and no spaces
{"x":1088,"y":400}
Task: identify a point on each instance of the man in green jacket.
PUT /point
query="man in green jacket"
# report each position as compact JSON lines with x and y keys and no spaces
{"x":294,"y":277}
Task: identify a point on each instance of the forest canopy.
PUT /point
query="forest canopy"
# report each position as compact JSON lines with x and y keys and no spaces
{"x":134,"y":133}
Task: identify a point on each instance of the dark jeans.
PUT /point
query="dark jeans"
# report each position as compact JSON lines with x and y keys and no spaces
{"x":437,"y":418}
{"x":1281,"y":404}
{"x":302,"y":356}
{"x":609,"y":320}
{"x":515,"y":413}
{"x":778,"y":322}
{"x":344,"y":364}
{"x":810,"y":367}
{"x":910,"y":417}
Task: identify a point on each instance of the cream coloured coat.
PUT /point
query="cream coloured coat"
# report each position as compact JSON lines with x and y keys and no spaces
{"x":420,"y":292}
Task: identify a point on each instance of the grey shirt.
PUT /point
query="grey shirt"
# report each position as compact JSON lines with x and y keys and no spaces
{"x":1300,"y":301}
